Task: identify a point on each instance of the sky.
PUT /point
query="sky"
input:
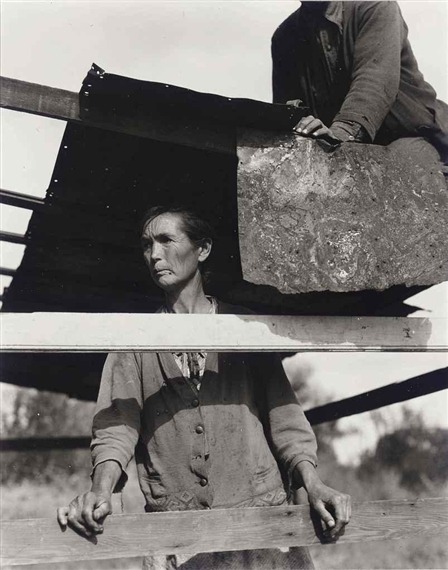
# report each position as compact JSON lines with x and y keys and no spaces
{"x":219,"y":46}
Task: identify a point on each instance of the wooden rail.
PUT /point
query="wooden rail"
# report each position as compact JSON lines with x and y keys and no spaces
{"x":12,"y":237}
{"x":60,"y":104}
{"x":90,"y":332}
{"x":428,"y":383}
{"x":398,"y":392}
{"x":7,"y":271}
{"x":44,"y":443}
{"x":189,"y":532}
{"x":19,"y":200}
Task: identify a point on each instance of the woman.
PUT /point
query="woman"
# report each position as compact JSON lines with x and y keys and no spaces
{"x":208,"y":430}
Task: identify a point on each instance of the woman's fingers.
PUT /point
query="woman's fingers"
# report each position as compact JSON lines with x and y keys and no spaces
{"x":62,"y":514}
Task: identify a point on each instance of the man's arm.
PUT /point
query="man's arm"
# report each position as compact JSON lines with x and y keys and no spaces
{"x":375,"y":76}
{"x":376,"y":66}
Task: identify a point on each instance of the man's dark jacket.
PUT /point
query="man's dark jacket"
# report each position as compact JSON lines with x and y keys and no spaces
{"x":377,"y":78}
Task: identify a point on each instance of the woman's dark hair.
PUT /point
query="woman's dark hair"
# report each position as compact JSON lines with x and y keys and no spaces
{"x":195,"y":226}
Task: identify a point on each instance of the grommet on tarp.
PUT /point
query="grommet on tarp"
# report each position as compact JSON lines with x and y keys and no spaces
{"x":97,"y":69}
{"x":89,"y":88}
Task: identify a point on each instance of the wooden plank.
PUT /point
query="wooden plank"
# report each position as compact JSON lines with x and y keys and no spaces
{"x":39,"y":99}
{"x":92,"y":332}
{"x":44,"y":443}
{"x":19,"y":200}
{"x":12,"y":237}
{"x":428,"y":383}
{"x":398,"y":392}
{"x":189,"y":532}
{"x":60,"y":104}
{"x":7,"y":271}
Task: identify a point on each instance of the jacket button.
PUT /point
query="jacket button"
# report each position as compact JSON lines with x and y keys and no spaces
{"x":203,"y":482}
{"x":199,"y":429}
{"x":195,"y":403}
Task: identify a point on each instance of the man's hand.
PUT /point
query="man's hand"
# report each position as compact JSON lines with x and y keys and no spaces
{"x":340,"y":131}
{"x":310,"y":126}
{"x":86,"y":513}
{"x":333,"y":507}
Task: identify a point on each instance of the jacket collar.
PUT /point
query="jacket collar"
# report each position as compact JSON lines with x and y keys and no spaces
{"x":334,"y":13}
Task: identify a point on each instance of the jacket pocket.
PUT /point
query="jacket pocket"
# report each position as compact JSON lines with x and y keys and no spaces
{"x":154,"y":482}
{"x":266,"y":472}
{"x":157,"y":488}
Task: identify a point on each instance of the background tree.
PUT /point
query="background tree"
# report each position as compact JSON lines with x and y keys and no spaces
{"x":416,"y":453}
{"x":44,"y":414}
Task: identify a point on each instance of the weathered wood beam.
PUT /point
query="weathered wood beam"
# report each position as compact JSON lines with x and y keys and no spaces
{"x":64,"y":105}
{"x":19,"y":200}
{"x":393,"y":393}
{"x":44,"y":443}
{"x":191,"y":532}
{"x":7,"y":271}
{"x":87,"y":332}
{"x":422,"y":385}
{"x":35,"y":99}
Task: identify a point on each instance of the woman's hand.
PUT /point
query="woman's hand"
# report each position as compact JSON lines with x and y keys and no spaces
{"x":86,"y":513}
{"x":333,"y":507}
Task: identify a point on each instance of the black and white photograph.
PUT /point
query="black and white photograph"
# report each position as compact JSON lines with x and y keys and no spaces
{"x":224,"y":284}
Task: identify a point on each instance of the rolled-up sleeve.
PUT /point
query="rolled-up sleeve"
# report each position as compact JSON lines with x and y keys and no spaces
{"x":376,"y":66}
{"x":286,"y":425}
{"x":116,"y":423}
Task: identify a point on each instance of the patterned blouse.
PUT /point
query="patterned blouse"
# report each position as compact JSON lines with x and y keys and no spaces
{"x":192,"y":364}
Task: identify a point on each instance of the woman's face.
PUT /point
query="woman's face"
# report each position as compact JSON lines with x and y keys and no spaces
{"x":173,"y":259}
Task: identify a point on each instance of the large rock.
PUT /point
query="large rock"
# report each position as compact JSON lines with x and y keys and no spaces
{"x":362,"y":217}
